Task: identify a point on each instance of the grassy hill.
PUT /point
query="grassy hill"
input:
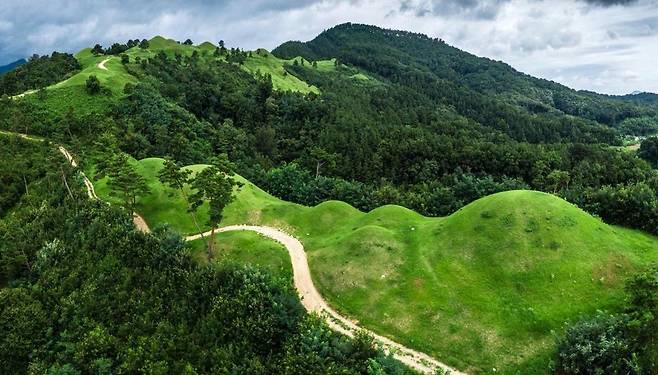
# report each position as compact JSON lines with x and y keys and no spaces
{"x":484,"y":288}
{"x":71,"y":92}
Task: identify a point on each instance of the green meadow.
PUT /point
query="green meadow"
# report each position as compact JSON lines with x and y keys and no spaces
{"x":485,"y":288}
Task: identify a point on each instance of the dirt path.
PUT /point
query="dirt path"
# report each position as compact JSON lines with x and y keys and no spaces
{"x":101,"y":65}
{"x":313,"y":302}
{"x":308,"y":294}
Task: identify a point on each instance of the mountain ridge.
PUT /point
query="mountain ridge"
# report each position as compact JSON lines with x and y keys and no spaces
{"x":392,"y":53}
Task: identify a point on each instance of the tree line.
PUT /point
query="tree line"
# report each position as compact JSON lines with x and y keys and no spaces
{"x":82,"y":291}
{"x":38,"y":72}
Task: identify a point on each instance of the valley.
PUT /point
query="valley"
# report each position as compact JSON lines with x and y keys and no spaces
{"x":401,"y":206}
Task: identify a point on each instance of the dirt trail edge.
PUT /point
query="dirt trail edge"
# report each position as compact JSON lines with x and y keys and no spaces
{"x":309,"y":295}
{"x":101,"y":65}
{"x":313,"y":301}
{"x":139,"y":221}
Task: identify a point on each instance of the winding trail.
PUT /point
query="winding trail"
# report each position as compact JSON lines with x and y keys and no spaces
{"x":313,"y":301}
{"x":101,"y":65}
{"x":308,"y":294}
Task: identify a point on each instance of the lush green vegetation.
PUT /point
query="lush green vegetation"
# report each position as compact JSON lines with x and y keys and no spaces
{"x":38,"y":72}
{"x":485,"y":287}
{"x":622,"y":343}
{"x":487,"y":91}
{"x":84,"y":292}
{"x":263,"y":62}
{"x":363,"y":115}
{"x":246,"y":248}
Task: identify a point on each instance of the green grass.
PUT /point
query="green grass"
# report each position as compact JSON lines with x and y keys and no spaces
{"x":264,"y":62}
{"x":487,"y":287}
{"x":247,"y":248}
{"x":71,"y":93}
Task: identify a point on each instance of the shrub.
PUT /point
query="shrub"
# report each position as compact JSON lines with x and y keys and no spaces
{"x":93,"y":85}
{"x":597,"y":346}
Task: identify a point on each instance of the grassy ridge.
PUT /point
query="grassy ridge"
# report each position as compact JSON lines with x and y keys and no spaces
{"x":71,"y":93}
{"x":483,"y":288}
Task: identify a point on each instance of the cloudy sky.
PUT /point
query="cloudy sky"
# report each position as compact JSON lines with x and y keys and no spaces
{"x":609,"y":46}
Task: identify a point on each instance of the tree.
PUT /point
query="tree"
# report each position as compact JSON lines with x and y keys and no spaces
{"x":188,"y":42}
{"x":176,"y":178}
{"x":557,"y":180}
{"x":98,"y":50}
{"x":214,"y":185}
{"x":93,"y":85}
{"x":124,"y":181}
{"x":125,"y":59}
{"x":321,"y":158}
{"x":144,"y":44}
{"x":649,"y":151}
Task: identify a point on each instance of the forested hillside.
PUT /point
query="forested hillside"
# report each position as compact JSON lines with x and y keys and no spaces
{"x":11,"y":66}
{"x":362,"y":115}
{"x":38,"y":72}
{"x":82,"y":292}
{"x":488,"y":91}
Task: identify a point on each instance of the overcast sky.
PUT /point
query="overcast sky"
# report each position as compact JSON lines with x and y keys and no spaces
{"x":609,"y":46}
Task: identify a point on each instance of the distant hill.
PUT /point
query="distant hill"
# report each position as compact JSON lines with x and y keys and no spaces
{"x":452,"y":76}
{"x":12,"y":66}
{"x":647,"y":98}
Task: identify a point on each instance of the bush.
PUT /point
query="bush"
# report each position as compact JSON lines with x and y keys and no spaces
{"x":616,"y":344}
{"x":597,"y":346}
{"x":93,"y":85}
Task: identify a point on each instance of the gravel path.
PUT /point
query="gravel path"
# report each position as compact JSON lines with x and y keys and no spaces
{"x":313,"y":301}
{"x":101,"y":65}
{"x":309,"y":295}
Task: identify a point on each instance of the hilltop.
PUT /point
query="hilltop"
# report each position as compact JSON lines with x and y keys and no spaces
{"x":484,"y":287}
{"x":462,"y":79}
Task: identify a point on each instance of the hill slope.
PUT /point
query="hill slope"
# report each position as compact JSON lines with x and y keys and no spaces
{"x":483,"y":288}
{"x":408,"y":58}
{"x":12,"y":66}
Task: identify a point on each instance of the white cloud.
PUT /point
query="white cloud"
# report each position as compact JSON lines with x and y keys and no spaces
{"x":612,"y":49}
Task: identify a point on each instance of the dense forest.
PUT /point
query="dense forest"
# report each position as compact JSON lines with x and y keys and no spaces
{"x":38,"y":72}
{"x":401,"y":119}
{"x":491,"y":92}
{"x":88,"y":293}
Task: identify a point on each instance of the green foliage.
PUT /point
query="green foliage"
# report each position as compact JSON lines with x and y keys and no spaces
{"x":93,"y":85}
{"x":38,"y":72}
{"x":552,"y":263}
{"x":105,"y":299}
{"x":616,"y":344}
{"x":649,"y":151}
{"x":490,"y":92}
{"x":22,"y":322}
{"x":123,"y":179}
{"x":597,"y":346}
{"x":214,"y":185}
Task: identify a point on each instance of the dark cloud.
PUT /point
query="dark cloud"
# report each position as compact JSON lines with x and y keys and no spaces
{"x":635,"y":28}
{"x":611,"y":2}
{"x":536,"y":36}
{"x":41,"y":26}
{"x":475,"y":9}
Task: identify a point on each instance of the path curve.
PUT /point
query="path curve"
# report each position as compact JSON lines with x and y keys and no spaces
{"x":309,"y":295}
{"x":313,"y":301}
{"x":101,"y":65}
